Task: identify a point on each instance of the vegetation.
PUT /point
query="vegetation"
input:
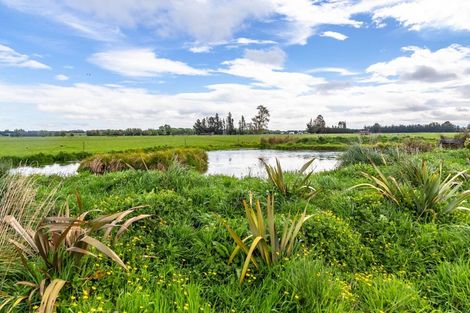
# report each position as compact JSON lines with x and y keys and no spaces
{"x":354,"y":251}
{"x":264,"y":238}
{"x":159,"y":160}
{"x":425,"y":190}
{"x":299,"y":186}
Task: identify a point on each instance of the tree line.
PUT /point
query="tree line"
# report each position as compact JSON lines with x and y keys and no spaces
{"x":216,"y":125}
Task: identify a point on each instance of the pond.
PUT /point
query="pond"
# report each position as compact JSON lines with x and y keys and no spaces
{"x":238,"y":163}
{"x":242,"y":163}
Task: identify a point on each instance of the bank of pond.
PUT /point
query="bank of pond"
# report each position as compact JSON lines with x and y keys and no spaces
{"x":381,"y":232}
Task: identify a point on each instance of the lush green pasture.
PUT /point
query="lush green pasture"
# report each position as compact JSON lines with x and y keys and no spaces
{"x":357,"y":253}
{"x":24,"y":146}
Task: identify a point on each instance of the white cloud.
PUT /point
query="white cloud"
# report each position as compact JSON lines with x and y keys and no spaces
{"x":141,"y":63}
{"x":419,"y":14}
{"x":338,"y":70}
{"x":208,"y":22}
{"x":9,"y":57}
{"x":424,"y":65}
{"x":408,"y":92}
{"x":248,"y":41}
{"x":62,"y":77}
{"x":265,"y":67}
{"x":274,"y":56}
{"x":334,"y":35}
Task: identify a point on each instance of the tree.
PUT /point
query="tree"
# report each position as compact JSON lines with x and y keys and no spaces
{"x":261,"y":120}
{"x":317,"y":125}
{"x":342,"y":124}
{"x":229,"y":127}
{"x":242,"y":125}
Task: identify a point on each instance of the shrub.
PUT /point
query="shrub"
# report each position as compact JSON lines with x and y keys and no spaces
{"x":359,"y":154}
{"x":300,"y":186}
{"x":333,"y":239}
{"x":159,"y":160}
{"x":264,"y":237}
{"x":266,"y":141}
{"x":421,"y":188}
{"x":60,"y":241}
{"x":417,"y":145}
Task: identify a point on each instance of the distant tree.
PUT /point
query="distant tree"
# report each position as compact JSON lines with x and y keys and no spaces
{"x":342,"y":124}
{"x":242,"y":125}
{"x":165,"y":130}
{"x":261,"y":120}
{"x":317,"y":125}
{"x":229,"y":127}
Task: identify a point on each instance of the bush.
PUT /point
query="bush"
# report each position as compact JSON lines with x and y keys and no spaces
{"x":159,"y":160}
{"x":328,"y":236}
{"x":359,"y":154}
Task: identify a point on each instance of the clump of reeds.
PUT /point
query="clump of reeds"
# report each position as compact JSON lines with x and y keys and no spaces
{"x":159,"y":160}
{"x":277,"y":140}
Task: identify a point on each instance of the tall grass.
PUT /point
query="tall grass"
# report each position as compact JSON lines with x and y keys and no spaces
{"x":159,"y":160}
{"x":19,"y":198}
{"x":359,"y":154}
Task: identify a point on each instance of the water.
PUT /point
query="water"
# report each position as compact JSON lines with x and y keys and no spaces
{"x":238,"y":163}
{"x":241,"y":163}
{"x":54,"y":169}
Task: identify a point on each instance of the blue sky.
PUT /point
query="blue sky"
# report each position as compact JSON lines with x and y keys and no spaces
{"x":126,"y":63}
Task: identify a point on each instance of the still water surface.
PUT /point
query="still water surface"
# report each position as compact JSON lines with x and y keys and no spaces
{"x":238,"y":163}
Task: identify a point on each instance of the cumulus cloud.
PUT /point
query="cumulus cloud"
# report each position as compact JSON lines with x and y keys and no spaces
{"x":140,"y":62}
{"x":265,"y":68}
{"x":9,"y":57}
{"x":419,"y":14}
{"x":62,"y":77}
{"x":334,"y":35}
{"x":424,"y":65}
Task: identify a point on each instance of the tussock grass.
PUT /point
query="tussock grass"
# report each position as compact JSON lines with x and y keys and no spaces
{"x":159,"y":160}
{"x":19,"y":198}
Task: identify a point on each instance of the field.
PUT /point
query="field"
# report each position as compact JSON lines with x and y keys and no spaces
{"x":359,"y":251}
{"x":25,"y":146}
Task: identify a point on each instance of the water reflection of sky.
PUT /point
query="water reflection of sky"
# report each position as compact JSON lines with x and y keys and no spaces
{"x":241,"y":163}
{"x":238,"y":163}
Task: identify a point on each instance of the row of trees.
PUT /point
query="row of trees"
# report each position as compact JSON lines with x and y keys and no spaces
{"x":318,"y":125}
{"x":416,"y":128}
{"x":164,"y":130}
{"x":218,"y":126}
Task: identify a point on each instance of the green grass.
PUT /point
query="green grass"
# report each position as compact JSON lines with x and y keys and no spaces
{"x":24,"y":146}
{"x":358,"y":253}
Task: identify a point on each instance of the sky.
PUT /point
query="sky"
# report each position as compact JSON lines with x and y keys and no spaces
{"x":87,"y":64}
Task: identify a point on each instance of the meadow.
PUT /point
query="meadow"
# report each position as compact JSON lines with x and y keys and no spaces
{"x":24,"y":146}
{"x":358,"y":248}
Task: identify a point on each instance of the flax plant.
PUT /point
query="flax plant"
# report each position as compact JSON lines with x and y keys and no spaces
{"x":300,"y":186}
{"x":264,"y":239}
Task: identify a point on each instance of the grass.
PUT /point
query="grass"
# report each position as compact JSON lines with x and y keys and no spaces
{"x":358,"y":252}
{"x":26,"y":146}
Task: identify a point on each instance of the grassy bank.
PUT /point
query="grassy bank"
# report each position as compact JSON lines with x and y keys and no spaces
{"x":27,"y":146}
{"x":358,"y":252}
